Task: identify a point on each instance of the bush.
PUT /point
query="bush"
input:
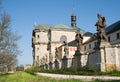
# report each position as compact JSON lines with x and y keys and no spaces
{"x":32,"y":70}
{"x":69,"y":71}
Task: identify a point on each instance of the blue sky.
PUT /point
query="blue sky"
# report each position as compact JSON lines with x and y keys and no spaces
{"x":25,"y":12}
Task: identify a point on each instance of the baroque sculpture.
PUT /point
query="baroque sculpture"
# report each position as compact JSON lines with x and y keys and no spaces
{"x":43,"y":60}
{"x":56,"y":53}
{"x":50,"y":57}
{"x":66,"y":49}
{"x":79,"y":39}
{"x":101,"y":24}
{"x":46,"y":58}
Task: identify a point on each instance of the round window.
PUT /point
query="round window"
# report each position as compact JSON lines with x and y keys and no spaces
{"x":63,"y":38}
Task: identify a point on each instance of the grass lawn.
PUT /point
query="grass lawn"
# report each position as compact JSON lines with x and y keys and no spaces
{"x":26,"y":77}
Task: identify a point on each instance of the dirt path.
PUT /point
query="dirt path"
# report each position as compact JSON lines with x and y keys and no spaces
{"x":89,"y":78}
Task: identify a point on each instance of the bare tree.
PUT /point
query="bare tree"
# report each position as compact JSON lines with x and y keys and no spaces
{"x":8,"y":42}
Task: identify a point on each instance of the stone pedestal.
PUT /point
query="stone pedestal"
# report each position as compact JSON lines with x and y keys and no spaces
{"x":77,"y":60}
{"x":102,"y":53}
{"x":57,"y":64}
{"x":64,"y":62}
{"x":51,"y":65}
{"x":46,"y":66}
{"x":103,"y":45}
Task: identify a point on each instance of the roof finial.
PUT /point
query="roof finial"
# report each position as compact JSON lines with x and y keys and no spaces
{"x":35,"y":25}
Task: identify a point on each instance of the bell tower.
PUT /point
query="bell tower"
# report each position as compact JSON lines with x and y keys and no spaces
{"x":73,"y":20}
{"x":73,"y":16}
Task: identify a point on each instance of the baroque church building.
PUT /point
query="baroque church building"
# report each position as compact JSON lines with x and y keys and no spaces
{"x":46,"y":38}
{"x":58,"y":47}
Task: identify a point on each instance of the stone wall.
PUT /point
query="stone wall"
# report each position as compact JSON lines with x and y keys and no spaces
{"x":110,"y":58}
{"x":93,"y":61}
{"x":84,"y":60}
{"x":107,"y":59}
{"x":41,"y":37}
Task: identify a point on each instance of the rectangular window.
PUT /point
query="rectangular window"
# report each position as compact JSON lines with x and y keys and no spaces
{"x":89,"y":46}
{"x":38,"y":36}
{"x":118,"y":35}
{"x":37,"y":49}
{"x":109,"y":39}
{"x":84,"y":47}
{"x":95,"y":44}
{"x":37,"y":58}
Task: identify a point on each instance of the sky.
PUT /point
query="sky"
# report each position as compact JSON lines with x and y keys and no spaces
{"x":24,"y":13}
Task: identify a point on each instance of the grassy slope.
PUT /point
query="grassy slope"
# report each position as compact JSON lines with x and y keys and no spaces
{"x":25,"y":77}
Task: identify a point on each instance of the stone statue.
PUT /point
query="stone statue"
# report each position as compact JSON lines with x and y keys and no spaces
{"x":50,"y":57}
{"x":46,"y":58}
{"x":43,"y":59}
{"x":56,"y":53}
{"x":101,"y":24}
{"x":79,"y":39}
{"x":66,"y":49}
{"x":40,"y":61}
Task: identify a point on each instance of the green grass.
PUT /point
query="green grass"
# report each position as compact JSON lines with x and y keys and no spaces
{"x":72,"y":72}
{"x":26,"y":77}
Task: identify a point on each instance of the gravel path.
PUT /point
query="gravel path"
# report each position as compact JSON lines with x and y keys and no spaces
{"x":88,"y":78}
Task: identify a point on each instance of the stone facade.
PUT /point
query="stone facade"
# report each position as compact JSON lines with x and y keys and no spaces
{"x":45,"y":43}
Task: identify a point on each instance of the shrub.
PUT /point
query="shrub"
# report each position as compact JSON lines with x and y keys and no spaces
{"x":32,"y":70}
{"x":69,"y":71}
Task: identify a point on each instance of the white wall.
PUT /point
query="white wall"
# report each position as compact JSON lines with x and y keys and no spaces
{"x":113,"y":37}
{"x":43,"y":38}
{"x":56,"y":35}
